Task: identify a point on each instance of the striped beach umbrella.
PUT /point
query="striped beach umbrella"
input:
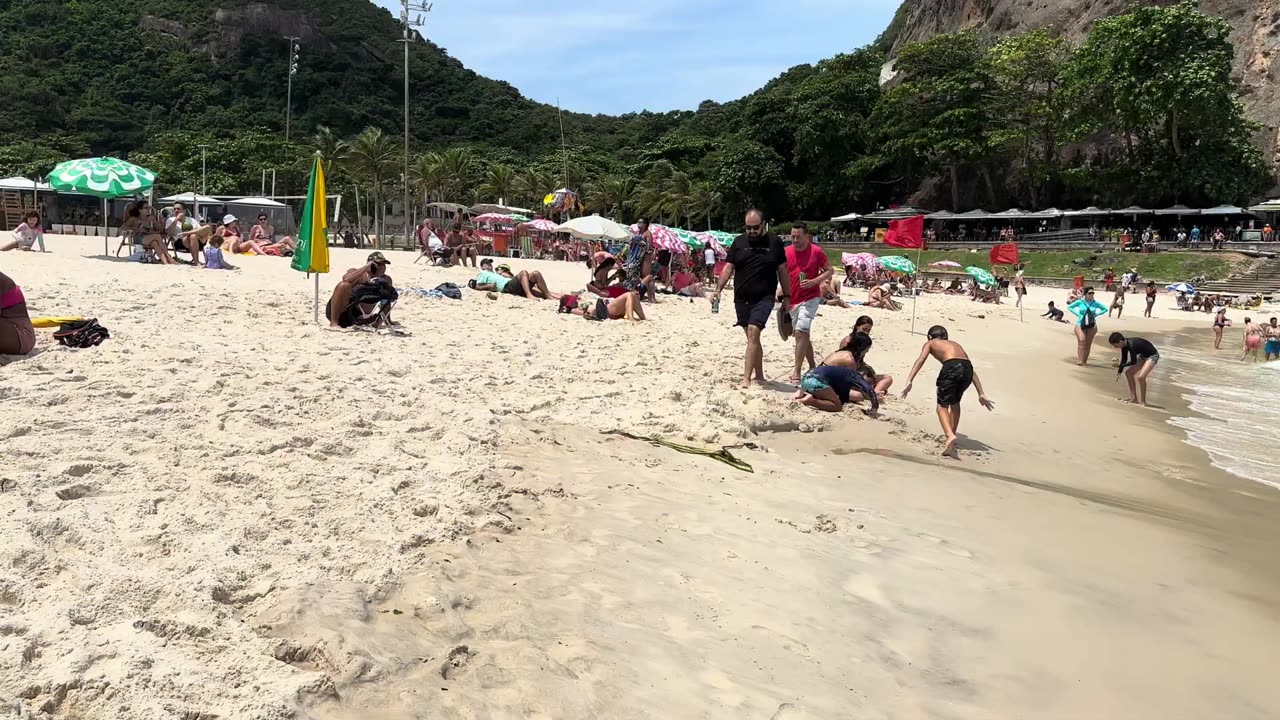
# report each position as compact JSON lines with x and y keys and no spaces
{"x":984,"y":277}
{"x":312,"y":253}
{"x":541,"y":225}
{"x":897,"y":263}
{"x":104,"y":178}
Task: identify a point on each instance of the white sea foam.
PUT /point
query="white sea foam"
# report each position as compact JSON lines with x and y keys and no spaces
{"x":1239,"y":407}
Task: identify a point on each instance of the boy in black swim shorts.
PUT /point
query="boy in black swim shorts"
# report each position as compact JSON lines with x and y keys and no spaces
{"x":954,"y":379}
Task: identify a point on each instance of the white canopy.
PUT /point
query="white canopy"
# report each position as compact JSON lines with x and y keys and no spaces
{"x":21,"y":183}
{"x":1091,"y":211}
{"x":498,"y":208}
{"x":254,"y":201}
{"x":190,"y":198}
{"x":846,"y":218}
{"x":1178,"y":210}
{"x":594,"y":227}
{"x":1224,"y":210}
{"x":1272,"y":205}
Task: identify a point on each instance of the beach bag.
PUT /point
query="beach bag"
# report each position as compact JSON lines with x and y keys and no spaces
{"x":81,"y":334}
{"x":449,"y":290}
{"x":568,"y":303}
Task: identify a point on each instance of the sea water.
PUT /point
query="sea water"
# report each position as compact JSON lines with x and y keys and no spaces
{"x":1238,"y":405}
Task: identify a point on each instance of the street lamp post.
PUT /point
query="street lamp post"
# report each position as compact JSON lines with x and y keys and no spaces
{"x":408,"y":21}
{"x":204,"y":169}
{"x":293,"y":70}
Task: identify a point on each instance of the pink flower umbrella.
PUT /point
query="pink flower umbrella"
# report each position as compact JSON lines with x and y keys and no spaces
{"x":708,"y":238}
{"x":664,"y":239}
{"x":862,"y":260}
{"x":541,"y":225}
{"x":494,"y":218}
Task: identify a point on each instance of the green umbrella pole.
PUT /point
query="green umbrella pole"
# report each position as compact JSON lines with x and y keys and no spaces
{"x":106,"y":240}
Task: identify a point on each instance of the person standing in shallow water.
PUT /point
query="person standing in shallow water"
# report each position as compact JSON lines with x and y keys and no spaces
{"x":1086,"y":309}
{"x":759,"y":263}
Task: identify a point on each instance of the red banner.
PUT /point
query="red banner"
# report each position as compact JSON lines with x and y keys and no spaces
{"x":1006,"y":254}
{"x":906,"y":233}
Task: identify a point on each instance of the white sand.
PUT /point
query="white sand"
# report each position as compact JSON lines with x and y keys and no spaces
{"x":225,"y":511}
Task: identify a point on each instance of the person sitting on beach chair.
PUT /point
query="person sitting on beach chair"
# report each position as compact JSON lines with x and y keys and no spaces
{"x":265,"y":236}
{"x":187,"y":234}
{"x":364,"y":297}
{"x":141,"y":224}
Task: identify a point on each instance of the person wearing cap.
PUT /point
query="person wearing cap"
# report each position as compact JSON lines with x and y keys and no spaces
{"x":339,"y":306}
{"x":230,"y":233}
{"x":526,"y":284}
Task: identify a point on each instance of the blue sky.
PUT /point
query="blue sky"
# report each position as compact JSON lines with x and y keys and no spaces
{"x":615,"y":56}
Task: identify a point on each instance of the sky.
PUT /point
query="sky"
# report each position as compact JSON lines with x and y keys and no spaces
{"x":618,"y":56}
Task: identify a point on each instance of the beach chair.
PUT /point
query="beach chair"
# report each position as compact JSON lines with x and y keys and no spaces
{"x":135,"y":248}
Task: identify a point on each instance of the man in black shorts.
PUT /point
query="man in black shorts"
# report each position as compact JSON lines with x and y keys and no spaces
{"x":759,"y":262}
{"x":364,"y":296}
{"x":1138,"y":357}
{"x":953,"y":380}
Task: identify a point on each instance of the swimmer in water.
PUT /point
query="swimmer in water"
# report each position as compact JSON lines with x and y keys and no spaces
{"x":1140,"y":357}
{"x":954,"y":378}
{"x":1271,"y":334}
{"x":1220,"y":323}
{"x":1252,"y":339}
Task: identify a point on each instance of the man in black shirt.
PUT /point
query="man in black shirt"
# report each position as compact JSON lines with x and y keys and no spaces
{"x":1140,"y":357}
{"x":759,"y":262}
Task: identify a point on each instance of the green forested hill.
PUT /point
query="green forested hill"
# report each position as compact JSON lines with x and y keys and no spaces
{"x":971,"y":120}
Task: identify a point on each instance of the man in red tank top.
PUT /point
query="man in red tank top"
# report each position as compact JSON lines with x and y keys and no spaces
{"x":810,"y":270}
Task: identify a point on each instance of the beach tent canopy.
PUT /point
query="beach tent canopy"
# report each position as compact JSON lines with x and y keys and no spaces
{"x":894,"y":214}
{"x":1272,"y":205}
{"x":450,"y":207}
{"x":1132,"y":210}
{"x":500,"y":209}
{"x":974,"y":215}
{"x":254,"y":201}
{"x":846,"y":218}
{"x":21,"y":183}
{"x":1049,"y":214}
{"x":1224,"y":210}
{"x":278,"y":214}
{"x":940,"y":215}
{"x":1011,"y":213}
{"x":191,"y":198}
{"x":594,"y":227}
{"x":1178,"y":210}
{"x":1091,"y":211}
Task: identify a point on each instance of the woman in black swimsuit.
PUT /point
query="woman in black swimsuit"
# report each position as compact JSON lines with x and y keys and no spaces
{"x":1220,"y":322}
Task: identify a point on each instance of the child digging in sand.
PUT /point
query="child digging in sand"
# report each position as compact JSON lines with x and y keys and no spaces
{"x":831,"y":387}
{"x":953,"y":379}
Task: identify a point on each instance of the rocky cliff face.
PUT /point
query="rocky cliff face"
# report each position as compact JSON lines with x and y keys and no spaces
{"x":1255,"y":24}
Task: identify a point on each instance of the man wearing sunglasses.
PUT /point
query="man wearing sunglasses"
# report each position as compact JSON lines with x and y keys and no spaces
{"x":759,"y":263}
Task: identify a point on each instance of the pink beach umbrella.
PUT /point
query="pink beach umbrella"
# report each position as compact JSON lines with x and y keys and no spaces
{"x":708,"y":238}
{"x":541,"y":225}
{"x":664,"y":239}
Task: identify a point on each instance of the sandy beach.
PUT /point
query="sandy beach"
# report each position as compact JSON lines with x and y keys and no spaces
{"x":225,"y":511}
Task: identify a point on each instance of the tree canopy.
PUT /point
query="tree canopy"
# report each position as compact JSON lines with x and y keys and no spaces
{"x":1145,"y":111}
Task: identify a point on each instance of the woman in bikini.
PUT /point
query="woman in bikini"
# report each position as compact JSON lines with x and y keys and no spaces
{"x":140,"y":221}
{"x":1151,"y":298}
{"x":264,"y":236}
{"x":234,"y":239}
{"x":1252,"y":339}
{"x":1220,"y":323}
{"x":17,"y":336}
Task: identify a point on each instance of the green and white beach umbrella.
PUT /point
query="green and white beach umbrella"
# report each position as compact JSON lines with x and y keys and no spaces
{"x":688,"y":237}
{"x":897,"y":263}
{"x":101,"y":177}
{"x":984,"y":277}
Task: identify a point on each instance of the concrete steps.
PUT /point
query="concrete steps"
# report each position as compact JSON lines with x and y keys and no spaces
{"x":1263,"y":280}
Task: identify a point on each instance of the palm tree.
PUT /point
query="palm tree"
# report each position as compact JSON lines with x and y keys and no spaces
{"x":500,"y":183}
{"x":456,"y":168}
{"x":331,"y":149}
{"x":427,"y":176}
{"x":704,"y":200}
{"x":533,"y":186}
{"x":614,"y":195}
{"x":374,"y":154}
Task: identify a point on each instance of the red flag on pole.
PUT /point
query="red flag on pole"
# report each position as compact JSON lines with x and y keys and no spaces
{"x":1006,"y":254}
{"x":906,"y":233}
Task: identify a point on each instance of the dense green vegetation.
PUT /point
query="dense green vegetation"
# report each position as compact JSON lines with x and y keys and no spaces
{"x":1165,"y":266}
{"x":971,"y":120}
